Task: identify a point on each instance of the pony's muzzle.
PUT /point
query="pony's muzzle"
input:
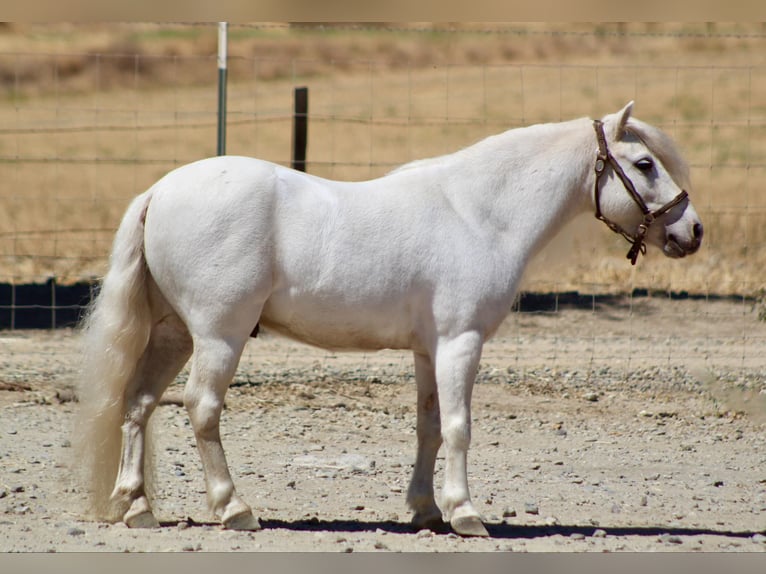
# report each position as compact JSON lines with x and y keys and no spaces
{"x":676,"y":247}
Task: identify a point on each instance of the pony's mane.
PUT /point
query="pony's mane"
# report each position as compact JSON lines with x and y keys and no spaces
{"x":664,"y":148}
{"x":471,"y":149}
{"x":655,"y":139}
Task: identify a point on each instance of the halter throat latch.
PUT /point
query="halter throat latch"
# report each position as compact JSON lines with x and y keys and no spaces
{"x":604,"y":158}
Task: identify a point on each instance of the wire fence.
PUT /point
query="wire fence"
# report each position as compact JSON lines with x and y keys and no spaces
{"x":84,"y":130}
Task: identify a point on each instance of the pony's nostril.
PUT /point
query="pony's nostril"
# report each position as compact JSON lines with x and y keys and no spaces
{"x":697,"y":231}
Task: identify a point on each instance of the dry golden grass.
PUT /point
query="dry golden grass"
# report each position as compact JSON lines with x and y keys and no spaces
{"x":92,"y":115}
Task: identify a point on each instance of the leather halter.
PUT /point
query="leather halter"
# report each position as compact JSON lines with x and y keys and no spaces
{"x":649,"y":216}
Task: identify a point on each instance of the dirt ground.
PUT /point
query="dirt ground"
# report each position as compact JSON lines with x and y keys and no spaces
{"x":639,"y":425}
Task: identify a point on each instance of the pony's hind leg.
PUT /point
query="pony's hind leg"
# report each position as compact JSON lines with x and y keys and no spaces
{"x":420,"y":495}
{"x":214,"y":363}
{"x":168,"y":350}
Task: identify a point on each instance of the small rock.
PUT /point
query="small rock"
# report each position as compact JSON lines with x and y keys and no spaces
{"x":380,"y":546}
{"x":531,"y":508}
{"x":599,"y":533}
{"x":758,"y":538}
{"x":616,"y":509}
{"x":670,"y":539}
{"x":509,"y":513}
{"x":183,"y":525}
{"x":577,"y":536}
{"x":552,"y":521}
{"x":66,"y":396}
{"x":591,"y":397}
{"x":425,"y":533}
{"x":75,"y":532}
{"x":17,"y":488}
{"x":644,"y":501}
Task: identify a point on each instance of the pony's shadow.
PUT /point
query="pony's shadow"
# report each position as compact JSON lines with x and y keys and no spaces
{"x":501,"y":530}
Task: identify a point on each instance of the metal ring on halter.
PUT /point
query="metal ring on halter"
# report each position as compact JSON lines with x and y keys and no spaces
{"x":604,"y":156}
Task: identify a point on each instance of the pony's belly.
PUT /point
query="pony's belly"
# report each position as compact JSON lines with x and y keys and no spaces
{"x":339,"y":328}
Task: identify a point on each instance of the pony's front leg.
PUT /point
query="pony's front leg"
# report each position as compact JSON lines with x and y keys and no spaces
{"x":457,"y":360}
{"x":213,"y":365}
{"x":420,"y":495}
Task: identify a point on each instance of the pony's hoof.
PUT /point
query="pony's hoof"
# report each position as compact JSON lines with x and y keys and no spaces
{"x":143,"y":519}
{"x":242,"y":521}
{"x":432,"y":523}
{"x":468,"y":526}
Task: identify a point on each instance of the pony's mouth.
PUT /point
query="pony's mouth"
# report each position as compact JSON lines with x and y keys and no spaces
{"x":676,"y":249}
{"x":672,"y":249}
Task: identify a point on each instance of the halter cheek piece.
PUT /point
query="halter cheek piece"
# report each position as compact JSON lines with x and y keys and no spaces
{"x":604,"y":157}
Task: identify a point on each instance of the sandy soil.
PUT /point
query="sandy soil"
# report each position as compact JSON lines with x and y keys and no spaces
{"x":638,"y":427}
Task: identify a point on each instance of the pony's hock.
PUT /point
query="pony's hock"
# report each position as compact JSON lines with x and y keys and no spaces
{"x":426,"y":258}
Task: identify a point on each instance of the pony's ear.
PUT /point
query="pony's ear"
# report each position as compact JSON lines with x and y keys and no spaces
{"x":615,"y":123}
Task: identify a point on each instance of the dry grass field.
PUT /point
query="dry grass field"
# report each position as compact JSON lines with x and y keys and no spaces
{"x":91,"y":115}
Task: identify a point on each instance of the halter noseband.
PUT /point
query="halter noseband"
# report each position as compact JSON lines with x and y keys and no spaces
{"x":650,"y":216}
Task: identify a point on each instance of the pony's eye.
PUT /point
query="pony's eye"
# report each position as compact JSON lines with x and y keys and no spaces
{"x":645,"y":164}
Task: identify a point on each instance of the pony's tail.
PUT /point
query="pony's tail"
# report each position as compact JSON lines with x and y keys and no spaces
{"x":116,"y":332}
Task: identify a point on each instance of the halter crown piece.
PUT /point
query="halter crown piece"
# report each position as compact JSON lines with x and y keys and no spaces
{"x":604,"y":156}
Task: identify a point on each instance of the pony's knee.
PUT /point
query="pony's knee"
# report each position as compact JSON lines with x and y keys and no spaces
{"x":456,"y":432}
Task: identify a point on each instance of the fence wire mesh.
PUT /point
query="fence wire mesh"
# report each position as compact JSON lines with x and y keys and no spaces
{"x":92,"y":115}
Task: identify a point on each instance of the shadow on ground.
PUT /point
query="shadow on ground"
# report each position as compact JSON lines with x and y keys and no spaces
{"x":499,"y":531}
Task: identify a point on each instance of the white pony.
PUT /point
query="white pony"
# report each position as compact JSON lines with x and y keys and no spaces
{"x":426,"y":258}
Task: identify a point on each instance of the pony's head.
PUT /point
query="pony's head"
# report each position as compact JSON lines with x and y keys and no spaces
{"x":641,"y":187}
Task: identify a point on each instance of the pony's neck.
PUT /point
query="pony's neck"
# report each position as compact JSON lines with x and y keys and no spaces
{"x":525,"y":184}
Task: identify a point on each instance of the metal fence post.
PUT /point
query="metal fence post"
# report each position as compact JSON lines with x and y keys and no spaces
{"x":222,"y":57}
